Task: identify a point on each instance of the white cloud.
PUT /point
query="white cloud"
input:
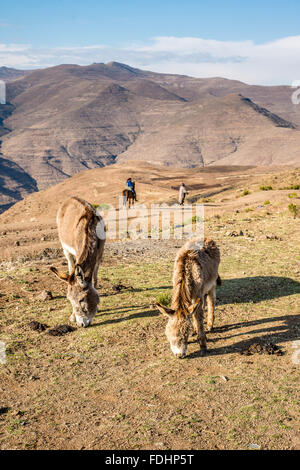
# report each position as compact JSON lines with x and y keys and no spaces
{"x":271,"y":63}
{"x":11,"y":48}
{"x":195,"y":45}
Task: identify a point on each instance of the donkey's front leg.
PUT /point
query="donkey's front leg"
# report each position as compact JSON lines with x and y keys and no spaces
{"x":71,"y":260}
{"x":199,"y":328}
{"x":211,"y":302}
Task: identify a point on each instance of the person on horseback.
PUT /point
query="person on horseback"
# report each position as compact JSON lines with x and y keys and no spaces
{"x":131,"y":186}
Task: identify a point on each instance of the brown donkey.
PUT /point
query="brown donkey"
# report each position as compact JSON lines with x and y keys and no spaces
{"x":82,"y":236}
{"x":195,"y":276}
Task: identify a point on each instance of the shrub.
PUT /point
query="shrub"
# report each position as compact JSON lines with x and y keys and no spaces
{"x":265,"y":188}
{"x":102,"y":206}
{"x":293,"y":186}
{"x":291,"y":195}
{"x":266,"y":203}
{"x":164,"y":299}
{"x":294,"y":210}
{"x":196,"y":219}
{"x":245,"y":192}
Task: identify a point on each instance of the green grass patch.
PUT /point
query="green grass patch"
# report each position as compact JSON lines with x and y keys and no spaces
{"x":164,"y":299}
{"x":294,"y":210}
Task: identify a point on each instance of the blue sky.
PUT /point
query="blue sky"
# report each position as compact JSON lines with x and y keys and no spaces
{"x":254,"y":41}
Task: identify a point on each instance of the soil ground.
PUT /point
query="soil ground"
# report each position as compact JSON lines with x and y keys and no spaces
{"x":116,"y":384}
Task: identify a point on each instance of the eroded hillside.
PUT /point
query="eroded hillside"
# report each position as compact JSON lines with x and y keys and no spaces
{"x":63,"y":120}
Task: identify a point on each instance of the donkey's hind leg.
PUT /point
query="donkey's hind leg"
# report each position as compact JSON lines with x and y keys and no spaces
{"x":98,"y":262}
{"x":95,"y":273}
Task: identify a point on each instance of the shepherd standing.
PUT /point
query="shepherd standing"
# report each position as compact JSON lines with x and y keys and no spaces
{"x":182,"y":192}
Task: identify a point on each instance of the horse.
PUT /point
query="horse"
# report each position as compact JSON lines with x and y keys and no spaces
{"x":128,"y":197}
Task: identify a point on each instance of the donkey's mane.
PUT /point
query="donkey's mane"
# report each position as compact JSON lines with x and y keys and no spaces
{"x":88,"y":223}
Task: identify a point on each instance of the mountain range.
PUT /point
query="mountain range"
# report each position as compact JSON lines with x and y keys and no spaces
{"x":8,"y":74}
{"x":66,"y":119}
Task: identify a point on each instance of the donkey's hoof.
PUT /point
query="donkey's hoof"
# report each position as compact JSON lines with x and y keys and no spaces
{"x":180,"y":355}
{"x":203,"y":352}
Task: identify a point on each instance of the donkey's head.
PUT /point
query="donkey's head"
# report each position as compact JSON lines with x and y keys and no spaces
{"x":82,"y":295}
{"x":178,"y":327}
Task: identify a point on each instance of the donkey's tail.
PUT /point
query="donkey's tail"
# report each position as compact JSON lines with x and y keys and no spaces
{"x":219,"y":281}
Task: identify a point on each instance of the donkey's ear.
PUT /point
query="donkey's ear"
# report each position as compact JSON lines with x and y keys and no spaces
{"x":62,"y":276}
{"x":79,"y":274}
{"x":165,"y":310}
{"x":193,"y":307}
